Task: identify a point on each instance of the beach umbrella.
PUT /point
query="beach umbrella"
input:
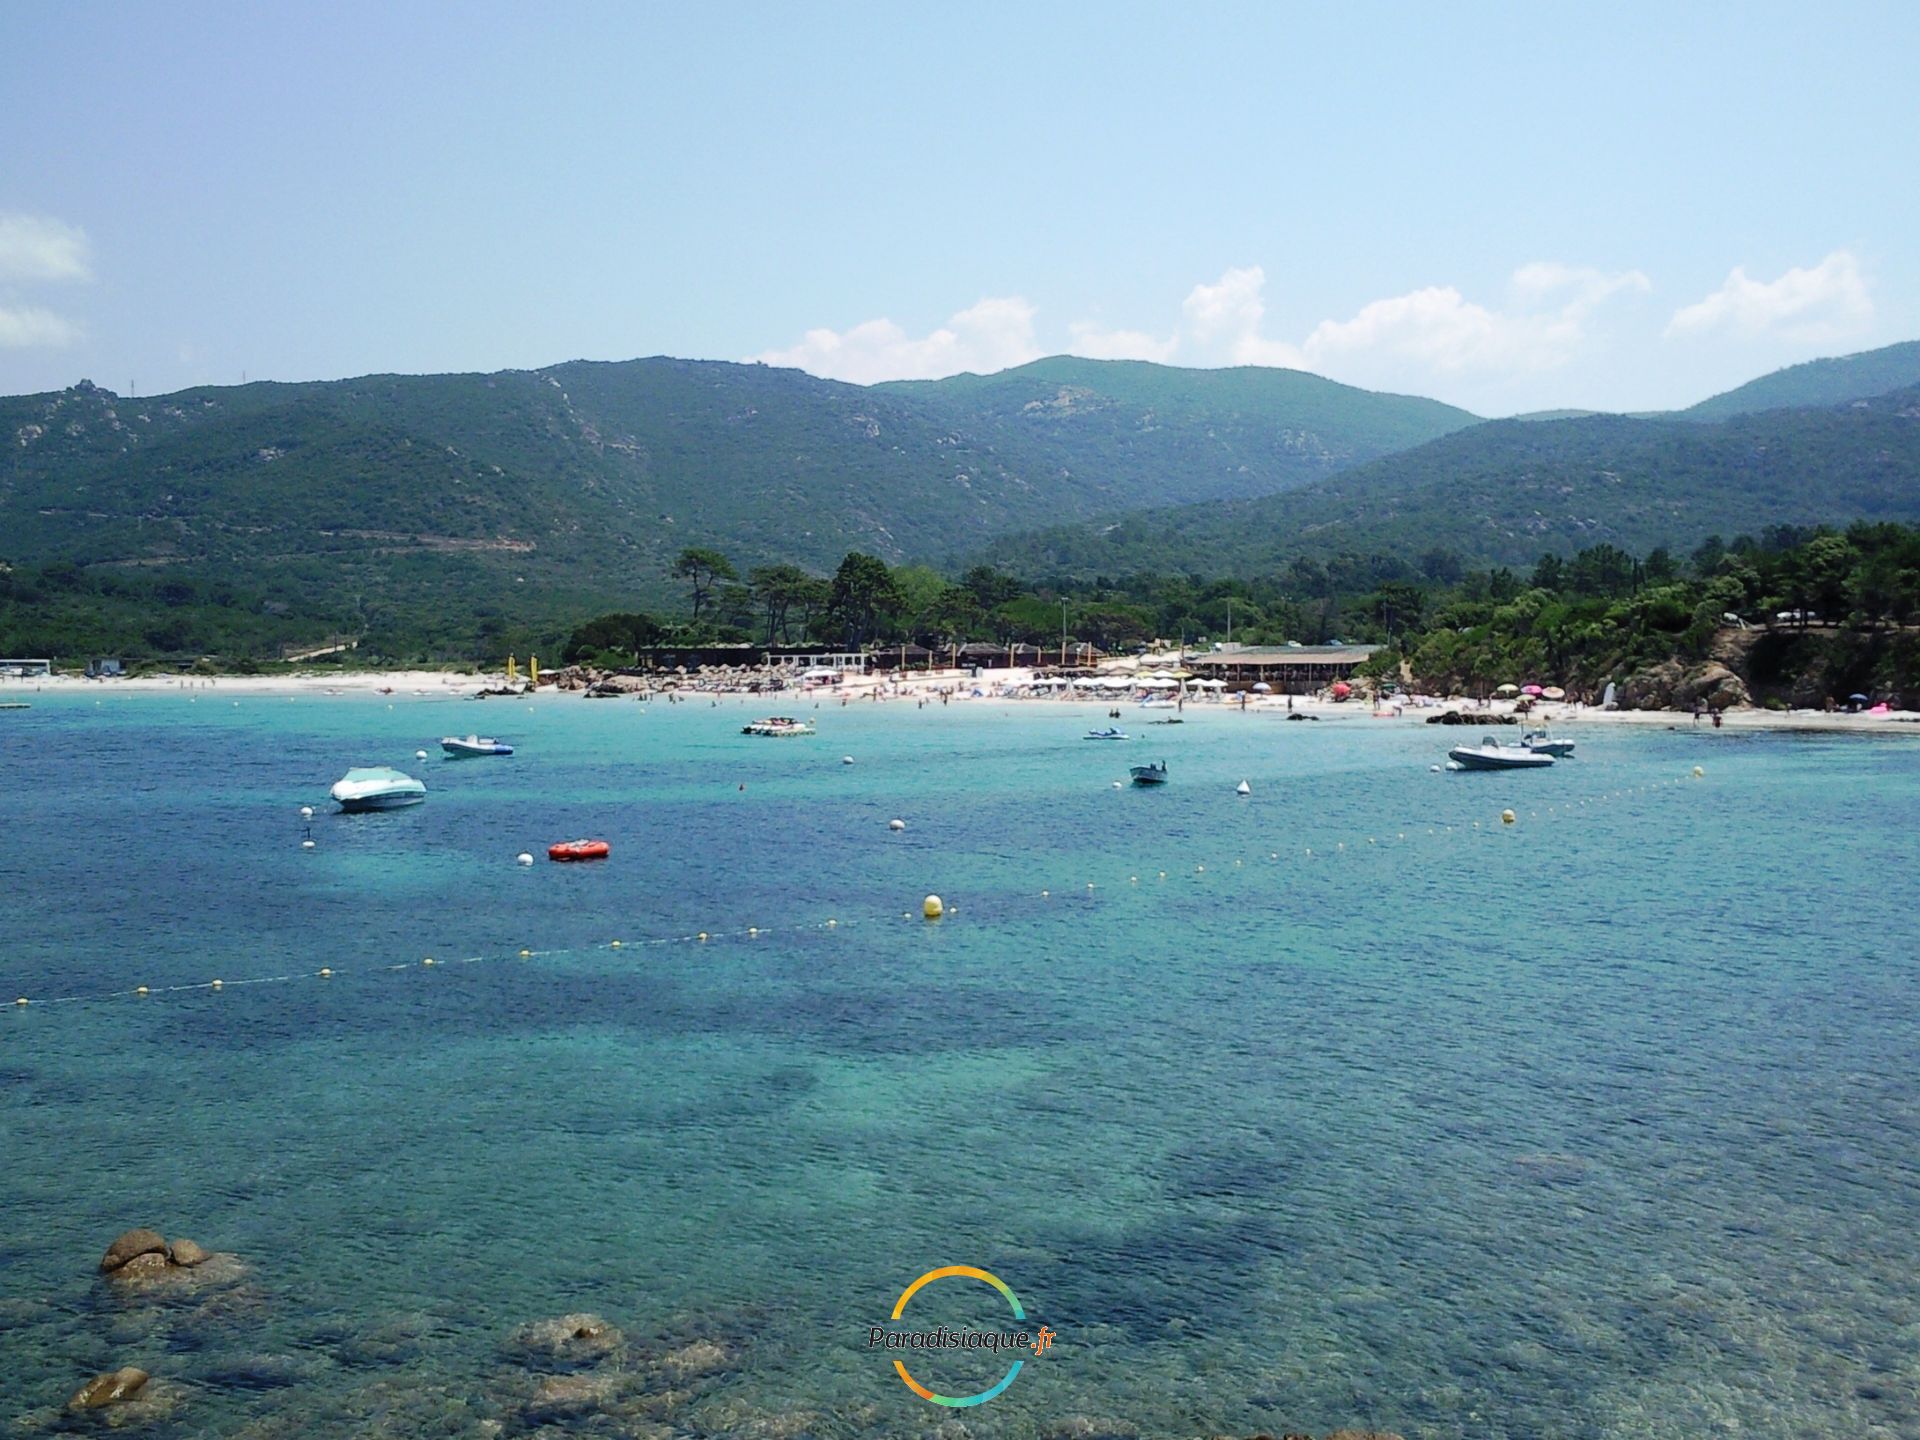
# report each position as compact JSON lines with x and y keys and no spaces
{"x":1506,"y":689}
{"x":1341,"y":689}
{"x":1857,"y":698}
{"x":1554,"y":692}
{"x":1531,"y":690}
{"x":1263,"y":687}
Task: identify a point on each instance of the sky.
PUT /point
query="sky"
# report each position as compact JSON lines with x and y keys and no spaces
{"x":1507,"y":207}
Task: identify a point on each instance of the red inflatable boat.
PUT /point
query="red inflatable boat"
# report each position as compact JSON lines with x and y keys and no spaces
{"x":579,"y":850}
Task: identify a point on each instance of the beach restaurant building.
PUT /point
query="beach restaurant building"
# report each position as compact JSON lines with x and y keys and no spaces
{"x":1288,"y":669}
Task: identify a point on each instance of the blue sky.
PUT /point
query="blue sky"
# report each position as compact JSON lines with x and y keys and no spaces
{"x":1507,"y":207}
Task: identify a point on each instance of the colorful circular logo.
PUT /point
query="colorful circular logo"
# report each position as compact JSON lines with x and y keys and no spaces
{"x":971,"y":1272}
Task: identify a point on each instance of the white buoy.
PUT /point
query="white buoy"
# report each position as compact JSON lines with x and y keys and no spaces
{"x":846,"y":759}
{"x":1243,"y":788}
{"x":306,"y":812}
{"x":896,"y":824}
{"x":1117,"y":785}
{"x":1434,"y":768}
{"x":306,"y":844}
{"x":523,"y":858}
{"x":419,"y":754}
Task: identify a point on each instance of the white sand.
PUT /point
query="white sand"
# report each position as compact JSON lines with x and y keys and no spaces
{"x":880,"y":689}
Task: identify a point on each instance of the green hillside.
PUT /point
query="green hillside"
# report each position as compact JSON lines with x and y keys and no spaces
{"x":1503,"y":493}
{"x":433,"y":504}
{"x":1818,"y":382}
{"x":1130,"y":427}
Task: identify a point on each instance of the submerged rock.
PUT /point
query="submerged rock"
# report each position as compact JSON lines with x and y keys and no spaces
{"x":109,"y":1389}
{"x":702,"y":1357}
{"x":130,"y":1245}
{"x":567,"y":1341}
{"x":1089,"y":1427}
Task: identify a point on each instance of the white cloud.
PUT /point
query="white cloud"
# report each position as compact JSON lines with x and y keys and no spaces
{"x":995,"y":334}
{"x":26,"y":326}
{"x":1439,"y":331}
{"x":34,"y":247}
{"x":1224,"y":319}
{"x":1828,"y":302}
{"x":1096,"y":344}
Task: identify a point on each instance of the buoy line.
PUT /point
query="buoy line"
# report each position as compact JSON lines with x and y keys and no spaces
{"x":932,"y":907}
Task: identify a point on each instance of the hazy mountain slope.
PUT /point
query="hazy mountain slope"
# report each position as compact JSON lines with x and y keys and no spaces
{"x":1504,"y":492}
{"x":1818,"y":382}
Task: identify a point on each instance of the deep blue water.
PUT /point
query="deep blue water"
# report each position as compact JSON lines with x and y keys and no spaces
{"x":1339,"y":1104}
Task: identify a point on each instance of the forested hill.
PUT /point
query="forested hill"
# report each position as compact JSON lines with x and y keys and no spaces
{"x":593,"y":476}
{"x":1505,"y":492}
{"x":1229,"y":433}
{"x":1819,"y":382}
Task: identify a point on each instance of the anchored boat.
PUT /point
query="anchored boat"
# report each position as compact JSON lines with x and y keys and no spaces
{"x":376,"y":787}
{"x":579,"y":850}
{"x":460,"y":748}
{"x":1150,"y":774}
{"x":1490,"y":754}
{"x":778,"y":725}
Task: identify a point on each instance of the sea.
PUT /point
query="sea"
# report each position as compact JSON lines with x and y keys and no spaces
{"x":1343,"y":1103}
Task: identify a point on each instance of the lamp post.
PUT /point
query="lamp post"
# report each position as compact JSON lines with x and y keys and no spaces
{"x":1063,"y":631}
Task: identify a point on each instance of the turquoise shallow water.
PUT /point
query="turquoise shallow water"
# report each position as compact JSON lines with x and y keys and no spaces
{"x":1371,"y":1112}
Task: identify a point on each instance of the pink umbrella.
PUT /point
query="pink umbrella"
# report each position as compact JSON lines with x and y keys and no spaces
{"x":1531,"y":690}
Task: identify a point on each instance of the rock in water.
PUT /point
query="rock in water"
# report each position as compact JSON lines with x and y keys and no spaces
{"x":142,"y":1267}
{"x":134,"y":1242}
{"x":111,"y":1388}
{"x":185,"y":1252}
{"x":566,"y":1341}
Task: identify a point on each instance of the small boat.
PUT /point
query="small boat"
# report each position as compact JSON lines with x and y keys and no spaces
{"x":1541,"y":743}
{"x":1111,"y":732}
{"x":1149,"y":774}
{"x":1490,"y":754}
{"x":1159,"y":704}
{"x":460,"y":748}
{"x":376,"y":787}
{"x":579,"y":850}
{"x":778,"y":725}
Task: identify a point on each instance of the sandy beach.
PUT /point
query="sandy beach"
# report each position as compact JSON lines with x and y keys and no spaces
{"x":996,"y":687}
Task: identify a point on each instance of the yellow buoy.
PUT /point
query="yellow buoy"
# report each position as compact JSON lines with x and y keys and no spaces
{"x":427,"y":961}
{"x":753,"y":930}
{"x":141,"y":990}
{"x":933,"y":909}
{"x":1698,"y":771}
{"x":1506,"y":817}
{"x":616,"y":945}
{"x":526,"y":954}
{"x":23,"y":999}
{"x":326,"y":974}
{"x":701,"y":936}
{"x":832,"y":923}
{"x":218,"y":983}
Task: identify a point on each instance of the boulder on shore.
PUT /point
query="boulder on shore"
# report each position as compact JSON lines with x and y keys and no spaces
{"x":131,"y":1245}
{"x":108,"y":1389}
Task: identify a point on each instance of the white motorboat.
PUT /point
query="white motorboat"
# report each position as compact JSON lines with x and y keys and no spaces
{"x":1155,"y":774}
{"x":778,"y":725}
{"x":1490,"y":754}
{"x":1111,"y":732}
{"x":1541,"y":743}
{"x":461,"y":748}
{"x":376,"y":787}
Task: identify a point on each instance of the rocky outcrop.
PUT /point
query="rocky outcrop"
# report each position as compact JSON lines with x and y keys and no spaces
{"x":185,"y":1252}
{"x":109,"y":1389}
{"x":131,"y":1246}
{"x":1672,"y":686}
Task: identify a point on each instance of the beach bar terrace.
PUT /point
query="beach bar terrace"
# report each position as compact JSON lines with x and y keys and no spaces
{"x":1289,"y":669}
